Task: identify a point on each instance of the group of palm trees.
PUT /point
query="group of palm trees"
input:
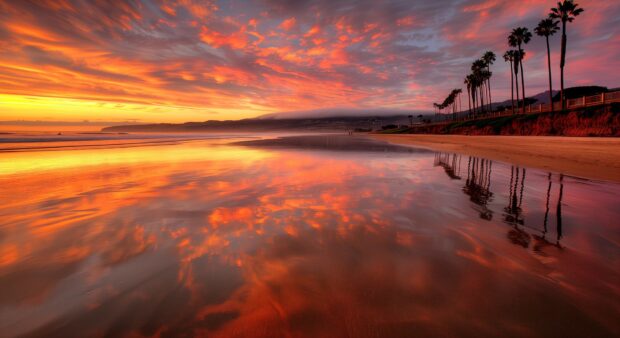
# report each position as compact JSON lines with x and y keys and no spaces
{"x":478,"y":82}
{"x":452,"y":102}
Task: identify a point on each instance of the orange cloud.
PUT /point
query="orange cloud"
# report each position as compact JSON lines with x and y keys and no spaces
{"x":288,"y":24}
{"x":237,"y":40}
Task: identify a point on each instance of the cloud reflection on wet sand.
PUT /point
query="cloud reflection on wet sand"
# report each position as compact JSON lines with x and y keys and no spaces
{"x":230,"y":241}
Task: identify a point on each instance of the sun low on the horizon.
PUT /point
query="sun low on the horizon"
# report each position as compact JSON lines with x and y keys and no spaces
{"x":176,"y":61}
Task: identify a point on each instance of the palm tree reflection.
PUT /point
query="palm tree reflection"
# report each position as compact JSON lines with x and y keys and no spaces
{"x":513,"y":212}
{"x":547,"y":207}
{"x":478,"y":184}
{"x":559,"y":210}
{"x":451,"y":163}
{"x":478,"y":188}
{"x":541,"y":240}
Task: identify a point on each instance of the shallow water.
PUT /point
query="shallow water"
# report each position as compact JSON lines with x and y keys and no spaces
{"x":316,"y":237}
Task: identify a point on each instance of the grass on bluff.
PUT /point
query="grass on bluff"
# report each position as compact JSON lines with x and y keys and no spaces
{"x":399,"y":130}
{"x":499,"y":123}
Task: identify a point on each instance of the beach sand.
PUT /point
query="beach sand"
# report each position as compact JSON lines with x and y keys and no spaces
{"x":586,"y":157}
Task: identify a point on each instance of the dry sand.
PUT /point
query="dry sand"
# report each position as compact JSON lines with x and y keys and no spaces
{"x":593,"y":158}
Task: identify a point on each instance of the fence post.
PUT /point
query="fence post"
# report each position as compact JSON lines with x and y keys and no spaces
{"x":603,"y":97}
{"x":583,"y":100}
{"x":540,"y":108}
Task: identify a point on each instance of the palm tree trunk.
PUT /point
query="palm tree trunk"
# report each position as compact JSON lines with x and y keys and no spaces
{"x":483,"y":93}
{"x":562,"y":62}
{"x":550,"y":83}
{"x":512,"y":89}
{"x":474,"y":98}
{"x":454,"y":110}
{"x":517,"y":84}
{"x":486,"y":92}
{"x":486,"y":96}
{"x":522,"y":82}
{"x":489,"y":84}
{"x":478,"y":100}
{"x":469,"y":99}
{"x":481,"y":90}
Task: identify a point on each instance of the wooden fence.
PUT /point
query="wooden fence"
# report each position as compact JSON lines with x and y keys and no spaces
{"x":586,"y":101}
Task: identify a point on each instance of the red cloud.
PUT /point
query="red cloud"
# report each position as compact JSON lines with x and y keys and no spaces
{"x":288,"y":24}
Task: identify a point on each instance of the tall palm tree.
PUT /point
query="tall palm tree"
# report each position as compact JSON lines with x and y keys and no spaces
{"x":489,"y":58}
{"x":546,"y":28}
{"x":566,"y":11}
{"x":520,"y":36}
{"x":509,"y":57}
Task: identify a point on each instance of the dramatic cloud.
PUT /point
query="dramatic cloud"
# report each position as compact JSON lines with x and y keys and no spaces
{"x":196,"y":60}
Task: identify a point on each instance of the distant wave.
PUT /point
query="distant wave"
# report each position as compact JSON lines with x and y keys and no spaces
{"x":36,"y":142}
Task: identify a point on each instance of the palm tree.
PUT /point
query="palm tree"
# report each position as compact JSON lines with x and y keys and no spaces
{"x":489,"y":58}
{"x":509,"y":57}
{"x":410,"y":120}
{"x":566,"y":11}
{"x":546,"y":28}
{"x":520,"y":36}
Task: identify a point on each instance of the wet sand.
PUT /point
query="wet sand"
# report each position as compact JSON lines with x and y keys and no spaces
{"x":331,"y":142}
{"x":301,"y":237}
{"x":592,"y":158}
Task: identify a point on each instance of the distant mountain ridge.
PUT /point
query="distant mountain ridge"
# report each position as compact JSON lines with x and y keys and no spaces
{"x":340,"y":112}
{"x":326,"y":119}
{"x":266,"y":125}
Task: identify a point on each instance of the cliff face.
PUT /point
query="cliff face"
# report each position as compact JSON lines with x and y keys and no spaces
{"x":589,"y":122}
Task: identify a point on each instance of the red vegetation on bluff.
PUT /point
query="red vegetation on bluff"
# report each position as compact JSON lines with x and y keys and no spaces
{"x":588,"y":122}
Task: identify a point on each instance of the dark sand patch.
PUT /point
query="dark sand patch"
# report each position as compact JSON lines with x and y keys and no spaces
{"x":332,"y":143}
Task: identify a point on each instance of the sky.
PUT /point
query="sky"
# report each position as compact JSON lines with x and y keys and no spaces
{"x":183,"y":60}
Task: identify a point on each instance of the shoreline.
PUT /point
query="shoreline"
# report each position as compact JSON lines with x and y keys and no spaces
{"x":585,"y":157}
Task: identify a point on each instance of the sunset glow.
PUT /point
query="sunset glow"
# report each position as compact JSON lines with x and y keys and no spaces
{"x":309,"y":168}
{"x":176,"y":61}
